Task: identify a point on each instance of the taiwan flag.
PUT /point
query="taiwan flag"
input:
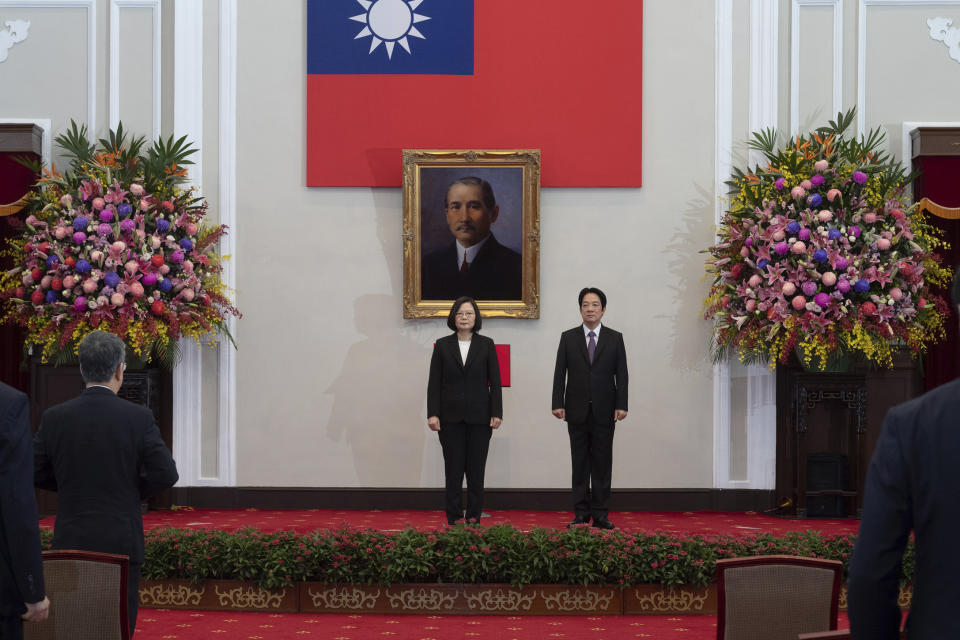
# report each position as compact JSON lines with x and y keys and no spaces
{"x":563,"y":76}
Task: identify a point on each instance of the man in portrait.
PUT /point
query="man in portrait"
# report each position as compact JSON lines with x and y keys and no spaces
{"x":474,"y":264}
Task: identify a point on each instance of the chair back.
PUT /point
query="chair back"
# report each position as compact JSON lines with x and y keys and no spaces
{"x":776,"y":597}
{"x":88,"y":597}
{"x":843,"y":634}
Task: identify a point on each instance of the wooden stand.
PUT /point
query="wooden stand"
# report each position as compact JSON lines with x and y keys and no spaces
{"x":827,"y":427}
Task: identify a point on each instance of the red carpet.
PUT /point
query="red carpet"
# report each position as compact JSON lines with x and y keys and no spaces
{"x":692,"y":523}
{"x":162,"y":624}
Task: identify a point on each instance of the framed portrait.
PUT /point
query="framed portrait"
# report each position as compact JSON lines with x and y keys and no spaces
{"x":471,"y":227}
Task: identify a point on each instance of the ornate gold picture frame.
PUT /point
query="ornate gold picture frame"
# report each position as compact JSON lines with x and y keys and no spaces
{"x":471,"y":226}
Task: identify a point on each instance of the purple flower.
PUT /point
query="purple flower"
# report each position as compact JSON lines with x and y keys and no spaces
{"x":854,"y":231}
{"x":186,"y":245}
{"x":80,"y":223}
{"x":815,"y":199}
{"x":176,"y":257}
{"x":165,"y":285}
{"x":51,"y":296}
{"x":163,"y":225}
{"x":834,"y":234}
{"x":817,"y":180}
{"x":127,"y":225}
{"x":124,"y":209}
{"x":803,"y":235}
{"x":822,"y":300}
{"x":112,"y":279}
{"x":82,"y":266}
{"x":762,"y":263}
{"x":862,"y":286}
{"x":106,"y":215}
{"x":748,"y":242}
{"x":843,"y":285}
{"x":820,"y":256}
{"x":841,"y":264}
{"x":859,"y":177}
{"x":149,"y":279}
{"x":52,"y":261}
{"x":809,"y":288}
{"x":79,"y":237}
{"x":104,"y":229}
{"x":793,"y":227}
{"x":779,"y":183}
{"x":80,"y":304}
{"x":781,"y":248}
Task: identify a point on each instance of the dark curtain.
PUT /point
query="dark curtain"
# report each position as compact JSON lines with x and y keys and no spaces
{"x":940,"y":181}
{"x":15,"y":180}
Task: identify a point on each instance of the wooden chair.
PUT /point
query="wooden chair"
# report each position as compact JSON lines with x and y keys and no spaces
{"x":776,"y":597}
{"x":88,"y":597}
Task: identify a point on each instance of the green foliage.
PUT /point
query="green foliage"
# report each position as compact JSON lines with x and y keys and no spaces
{"x":469,"y":555}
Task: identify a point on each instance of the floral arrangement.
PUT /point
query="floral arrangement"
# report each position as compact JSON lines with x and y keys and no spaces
{"x":469,"y":555}
{"x":116,"y":244}
{"x":820,"y":254}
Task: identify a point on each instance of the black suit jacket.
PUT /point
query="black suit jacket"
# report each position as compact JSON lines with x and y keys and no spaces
{"x":102,"y":455}
{"x":21,"y":567}
{"x":913,"y":483}
{"x":468,"y":391}
{"x":496,"y":273}
{"x":576,"y":382}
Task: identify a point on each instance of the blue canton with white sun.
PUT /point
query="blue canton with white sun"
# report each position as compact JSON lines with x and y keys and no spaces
{"x":389,"y":22}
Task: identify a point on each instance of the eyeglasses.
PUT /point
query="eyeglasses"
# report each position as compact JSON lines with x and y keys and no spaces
{"x":465,"y":314}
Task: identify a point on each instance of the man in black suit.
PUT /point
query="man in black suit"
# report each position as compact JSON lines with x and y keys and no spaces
{"x":913,"y":483}
{"x":21,"y":566}
{"x":102,"y":455}
{"x":475,"y":264}
{"x":590,"y":393}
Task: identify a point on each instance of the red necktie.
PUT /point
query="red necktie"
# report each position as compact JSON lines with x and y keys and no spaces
{"x":464,"y":267}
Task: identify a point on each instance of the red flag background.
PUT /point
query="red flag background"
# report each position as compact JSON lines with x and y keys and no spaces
{"x":563,"y":76}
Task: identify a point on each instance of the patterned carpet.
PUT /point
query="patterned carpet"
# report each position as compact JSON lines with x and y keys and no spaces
{"x":159,"y":624}
{"x":689,"y":522}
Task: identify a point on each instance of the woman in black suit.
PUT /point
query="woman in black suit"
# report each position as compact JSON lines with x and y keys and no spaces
{"x":464,"y":404}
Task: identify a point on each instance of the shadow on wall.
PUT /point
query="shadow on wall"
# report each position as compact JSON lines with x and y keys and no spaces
{"x":381,"y":420}
{"x":685,"y":264}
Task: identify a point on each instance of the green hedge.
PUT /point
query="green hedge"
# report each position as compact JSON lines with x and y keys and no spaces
{"x":467,"y":555}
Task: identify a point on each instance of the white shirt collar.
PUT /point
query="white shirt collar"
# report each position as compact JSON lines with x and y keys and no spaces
{"x":471,"y":252}
{"x":586,"y":331}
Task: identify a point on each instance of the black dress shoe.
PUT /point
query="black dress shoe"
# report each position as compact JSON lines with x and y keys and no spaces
{"x":578,"y":520}
{"x":603,"y":523}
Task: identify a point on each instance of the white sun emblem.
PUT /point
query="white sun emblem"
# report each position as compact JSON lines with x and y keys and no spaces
{"x":389,"y":22}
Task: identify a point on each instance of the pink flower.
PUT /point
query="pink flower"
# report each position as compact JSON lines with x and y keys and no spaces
{"x":825,"y":216}
{"x":870,"y":217}
{"x":829,"y":278}
{"x":754,"y":281}
{"x":798,"y":247}
{"x":797,"y":192}
{"x":821,"y":165}
{"x":832,"y":194}
{"x":116,"y":299}
{"x":896,"y":294}
{"x":799,"y":303}
{"x":66,"y":200}
{"x":137,"y":189}
{"x":806,"y":184}
{"x":751,"y":305}
{"x":98,"y":203}
{"x":789,"y":289}
{"x":778,"y":235}
{"x":883,"y":244}
{"x":136,"y":289}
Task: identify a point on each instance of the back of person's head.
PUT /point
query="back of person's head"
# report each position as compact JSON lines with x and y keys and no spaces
{"x":596,"y":292}
{"x":100,"y":354}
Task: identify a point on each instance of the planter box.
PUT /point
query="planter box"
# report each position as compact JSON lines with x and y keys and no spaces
{"x":442,"y":599}
{"x":227,"y":595}
{"x":452,"y":599}
{"x":652,"y":599}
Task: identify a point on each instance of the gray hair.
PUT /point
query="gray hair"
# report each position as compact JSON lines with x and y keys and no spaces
{"x":100,"y":354}
{"x":486,"y":190}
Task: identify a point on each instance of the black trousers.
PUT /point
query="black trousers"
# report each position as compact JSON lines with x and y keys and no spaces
{"x":133,"y":594}
{"x":11,"y":627}
{"x":591,"y":457}
{"x":465,"y":449}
